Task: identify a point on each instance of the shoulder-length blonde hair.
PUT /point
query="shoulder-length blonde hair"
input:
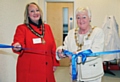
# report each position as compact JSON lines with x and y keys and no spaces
{"x":26,"y":21}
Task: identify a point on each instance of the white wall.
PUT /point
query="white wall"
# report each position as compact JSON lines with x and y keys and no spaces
{"x":12,"y":13}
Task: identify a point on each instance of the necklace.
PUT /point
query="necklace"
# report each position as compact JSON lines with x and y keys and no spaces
{"x":36,"y":33}
{"x":79,"y":45}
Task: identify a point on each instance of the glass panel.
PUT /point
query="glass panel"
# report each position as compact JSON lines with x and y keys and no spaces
{"x":65,"y":22}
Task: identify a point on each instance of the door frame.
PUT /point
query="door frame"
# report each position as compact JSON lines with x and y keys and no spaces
{"x":45,"y":5}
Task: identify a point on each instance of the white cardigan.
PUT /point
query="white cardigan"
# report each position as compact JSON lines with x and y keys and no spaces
{"x":95,"y":42}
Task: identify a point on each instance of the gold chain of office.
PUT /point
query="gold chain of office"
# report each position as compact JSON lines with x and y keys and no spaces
{"x":76,"y":38}
{"x":36,"y":33}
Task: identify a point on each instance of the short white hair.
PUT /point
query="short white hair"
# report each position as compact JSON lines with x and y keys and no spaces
{"x":81,"y":9}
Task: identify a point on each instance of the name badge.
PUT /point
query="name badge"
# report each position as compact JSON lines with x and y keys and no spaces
{"x":87,"y":42}
{"x":36,"y":40}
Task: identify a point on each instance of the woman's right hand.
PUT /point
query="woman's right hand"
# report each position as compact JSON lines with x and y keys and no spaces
{"x":17,"y":46}
{"x":60,"y":53}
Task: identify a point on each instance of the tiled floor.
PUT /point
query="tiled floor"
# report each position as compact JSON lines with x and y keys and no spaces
{"x":62,"y":75}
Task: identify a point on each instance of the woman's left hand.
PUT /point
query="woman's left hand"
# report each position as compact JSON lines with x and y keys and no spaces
{"x":54,"y":68}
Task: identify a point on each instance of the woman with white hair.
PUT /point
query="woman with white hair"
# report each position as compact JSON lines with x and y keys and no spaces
{"x":83,"y":37}
{"x":34,"y":42}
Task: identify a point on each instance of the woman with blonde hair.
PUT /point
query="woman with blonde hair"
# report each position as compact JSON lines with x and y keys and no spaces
{"x":34,"y":43}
